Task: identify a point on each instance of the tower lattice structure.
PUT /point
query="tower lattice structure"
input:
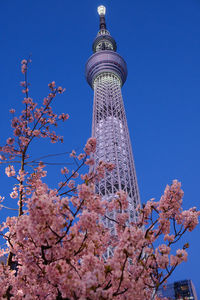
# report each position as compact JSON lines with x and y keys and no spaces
{"x":106,"y":72}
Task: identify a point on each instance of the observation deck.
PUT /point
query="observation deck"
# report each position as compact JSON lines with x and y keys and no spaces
{"x":106,"y":61}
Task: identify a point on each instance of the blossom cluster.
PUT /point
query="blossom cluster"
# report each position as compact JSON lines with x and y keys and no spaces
{"x":34,"y":122}
{"x":59,"y":245}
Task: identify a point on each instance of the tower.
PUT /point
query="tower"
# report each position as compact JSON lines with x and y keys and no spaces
{"x":106,"y":73}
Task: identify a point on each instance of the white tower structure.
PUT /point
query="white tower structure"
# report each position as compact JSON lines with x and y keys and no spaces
{"x":106,"y":73}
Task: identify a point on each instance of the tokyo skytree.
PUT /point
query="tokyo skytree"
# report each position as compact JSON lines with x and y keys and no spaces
{"x":106,"y":72}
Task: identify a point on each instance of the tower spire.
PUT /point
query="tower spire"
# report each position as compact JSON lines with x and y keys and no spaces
{"x":102,"y":11}
{"x":103,"y":41}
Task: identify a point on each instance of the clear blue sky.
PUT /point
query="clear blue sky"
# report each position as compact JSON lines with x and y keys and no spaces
{"x":160,"y":41}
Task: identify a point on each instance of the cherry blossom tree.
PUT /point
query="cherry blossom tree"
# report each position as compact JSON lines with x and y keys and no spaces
{"x":56,"y":244}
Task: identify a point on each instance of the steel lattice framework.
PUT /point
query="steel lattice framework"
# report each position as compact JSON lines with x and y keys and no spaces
{"x":106,"y":72}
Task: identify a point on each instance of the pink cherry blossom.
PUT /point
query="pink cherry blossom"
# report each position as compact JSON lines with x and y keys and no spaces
{"x":64,"y":170}
{"x":60,"y":90}
{"x":90,"y":146}
{"x":14,"y":193}
{"x":63,"y":117}
{"x":81,"y":156}
{"x":36,"y":132}
{"x":10,"y":171}
{"x":73,"y":153}
{"x":89,"y":162}
{"x":10,"y":141}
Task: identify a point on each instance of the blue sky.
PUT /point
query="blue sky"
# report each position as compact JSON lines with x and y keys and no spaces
{"x":159,"y":41}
